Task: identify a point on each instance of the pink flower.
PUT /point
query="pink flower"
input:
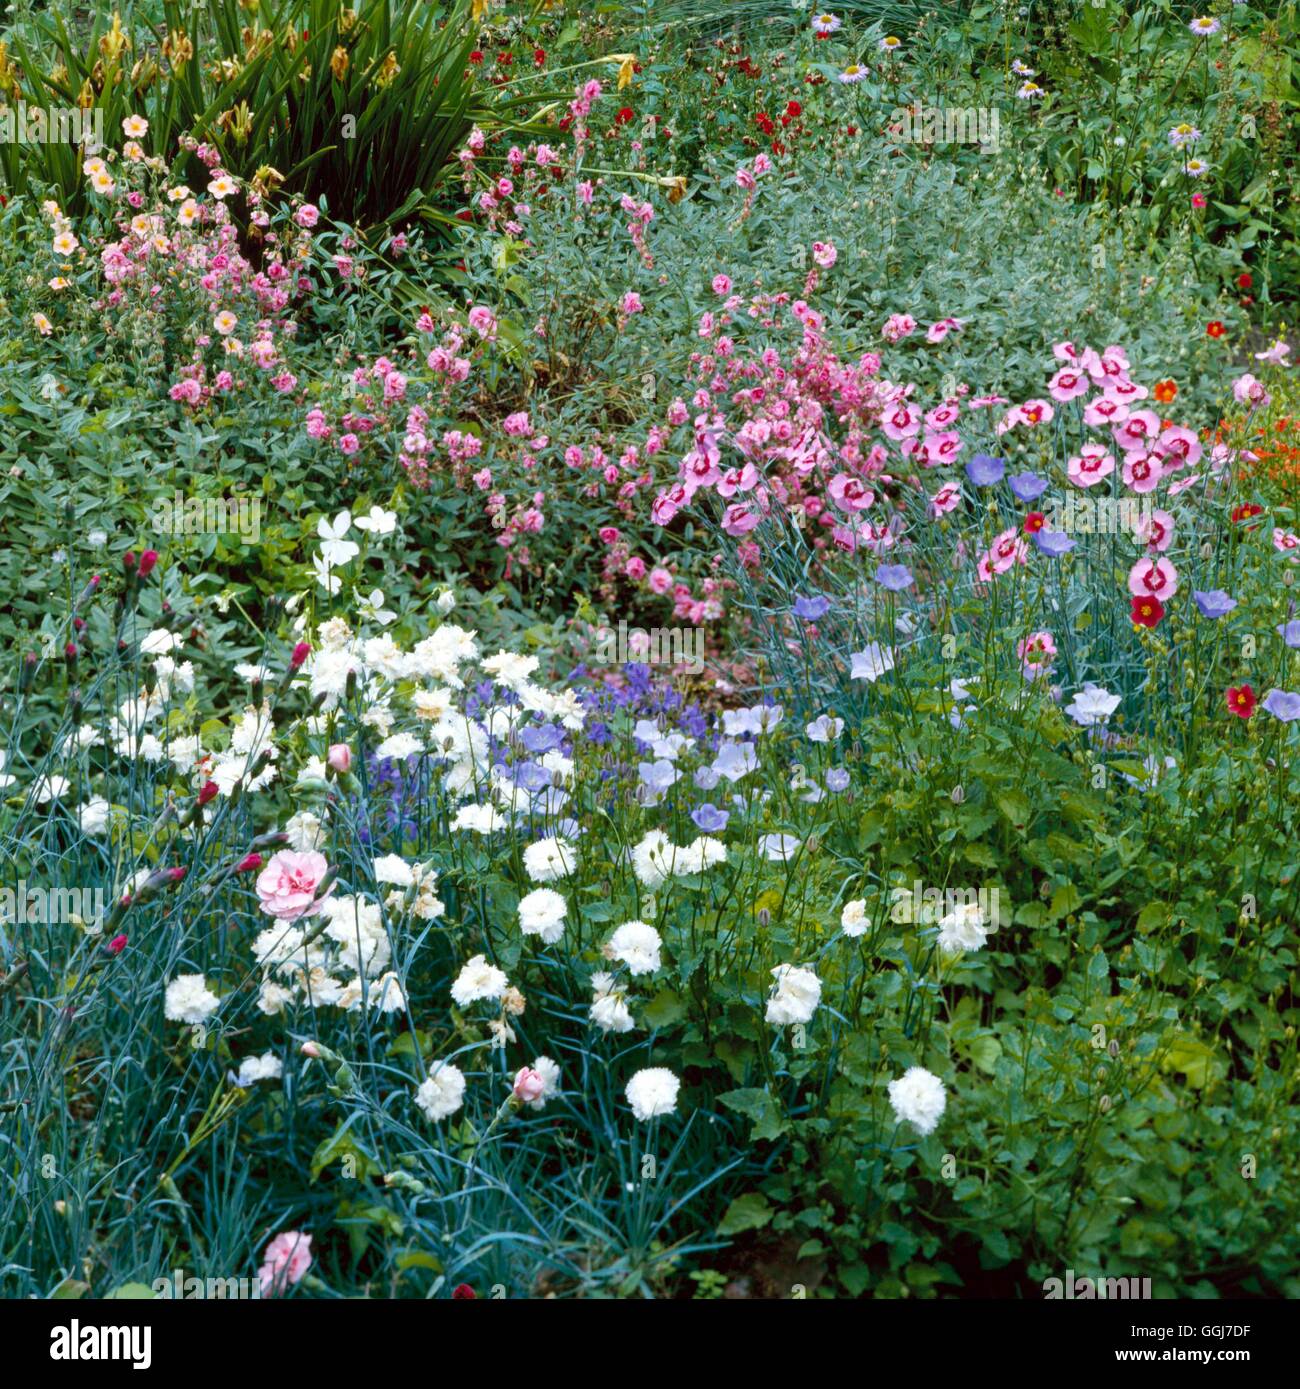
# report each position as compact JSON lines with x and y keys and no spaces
{"x":483,"y":321}
{"x":945,"y":499}
{"x":850,"y":493}
{"x":1249,"y":391}
{"x":1153,"y":578}
{"x":898,"y":326}
{"x":1180,"y":447}
{"x":660,"y":580}
{"x":1155,"y":530}
{"x":936,"y":332}
{"x":632,"y":303}
{"x":1142,"y":471}
{"x":1138,"y":431}
{"x":1067,"y":384}
{"x":825,"y":254}
{"x":286,"y":1261}
{"x":721,"y":285}
{"x":739,"y":519}
{"x":307,"y":215}
{"x":340,"y":757}
{"x":1090,"y":465}
{"x":529,"y":1086}
{"x":287,"y":885}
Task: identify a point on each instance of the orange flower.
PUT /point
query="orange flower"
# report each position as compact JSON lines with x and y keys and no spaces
{"x":1165,"y":391}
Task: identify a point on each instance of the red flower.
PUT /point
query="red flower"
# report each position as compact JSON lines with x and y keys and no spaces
{"x":624,"y":115}
{"x":116,"y":945}
{"x":1245,"y":511}
{"x":1214,"y":329}
{"x":1241,"y":701}
{"x":476,"y":56}
{"x":1166,"y":391}
{"x":462,"y":1292}
{"x":539,"y":57}
{"x":1147,"y":611}
{"x":1034,"y":522}
{"x":792,"y":108}
{"x":1244,"y":280}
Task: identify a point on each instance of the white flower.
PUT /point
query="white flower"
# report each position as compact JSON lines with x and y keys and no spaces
{"x":609,"y":1011}
{"x":400,"y":746}
{"x":482,"y":819}
{"x":963,"y":929}
{"x":795,"y":995}
{"x":188,"y":999}
{"x":255,"y":1068}
{"x":652,"y":859}
{"x":50,"y":788}
{"x":386,"y":994}
{"x":1092,"y":705}
{"x":305,"y":831}
{"x":917,"y":1098}
{"x":443,"y":1093}
{"x":780,"y":848}
{"x":95,"y":815}
{"x":549,"y":859}
{"x":653,"y":1092}
{"x":334,"y":548}
{"x":853,"y":919}
{"x":325,"y":575}
{"x":478,"y":980}
{"x":825,"y":729}
{"x":699,"y":854}
{"x":510,"y":670}
{"x":377,"y":521}
{"x":445,"y":601}
{"x":159,"y":642}
{"x":373,"y":607}
{"x":541,"y":913}
{"x":872,"y":663}
{"x":393,"y":868}
{"x":637,"y":946}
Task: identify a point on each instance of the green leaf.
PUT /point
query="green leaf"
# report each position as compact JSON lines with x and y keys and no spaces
{"x":749,"y":1212}
{"x":758,"y":1106}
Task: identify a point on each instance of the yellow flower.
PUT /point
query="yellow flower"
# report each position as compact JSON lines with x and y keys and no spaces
{"x":626,"y":67}
{"x":339,"y":62}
